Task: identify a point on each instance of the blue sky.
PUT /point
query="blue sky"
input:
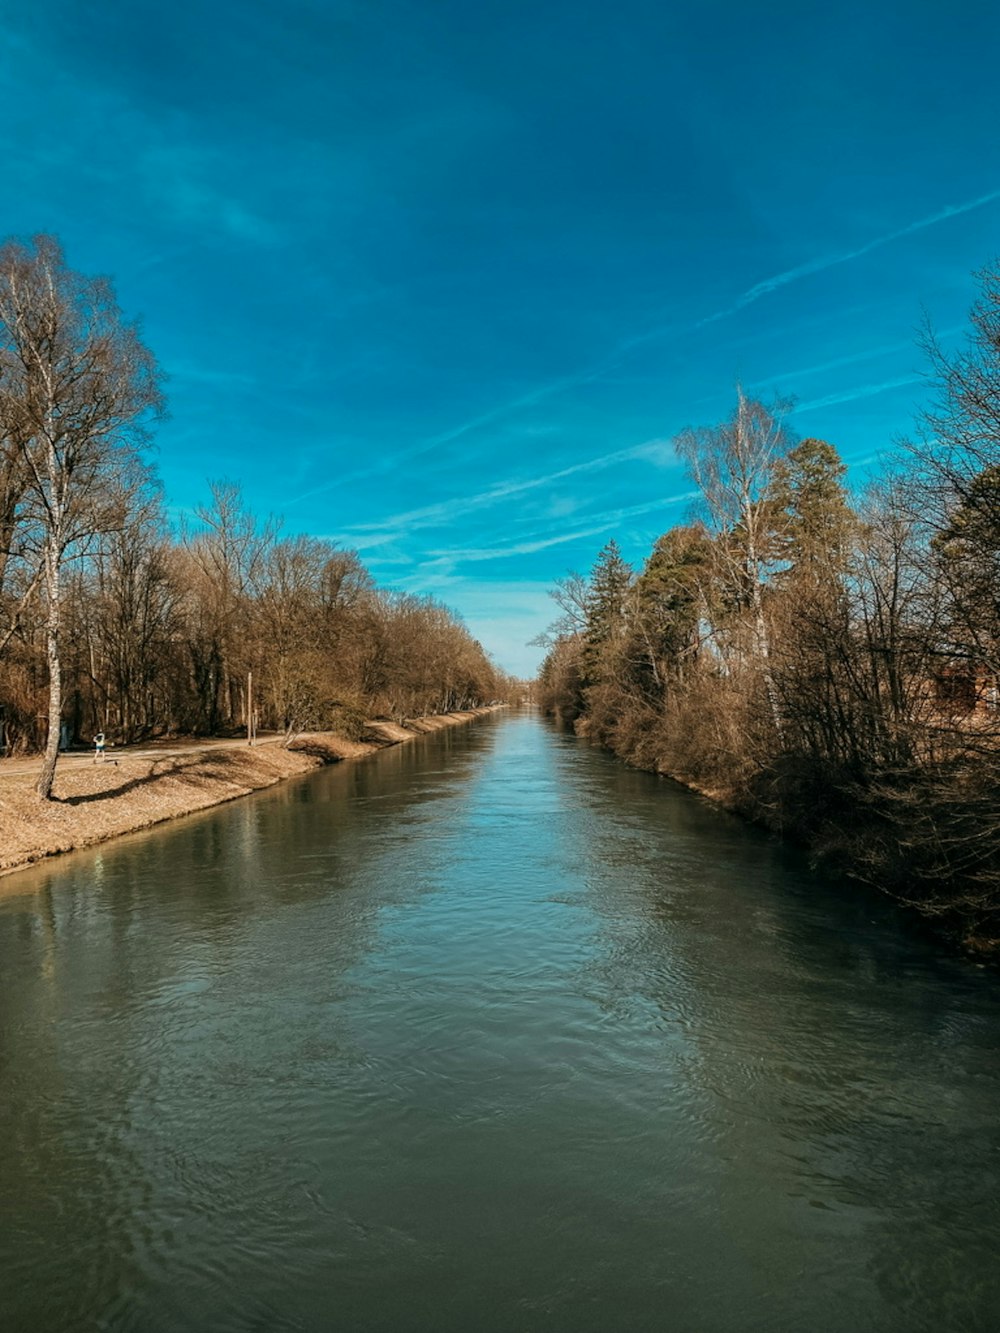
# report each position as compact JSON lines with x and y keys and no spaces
{"x":441,"y":280}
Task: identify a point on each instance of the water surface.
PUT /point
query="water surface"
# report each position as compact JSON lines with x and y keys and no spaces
{"x":486,"y":1033}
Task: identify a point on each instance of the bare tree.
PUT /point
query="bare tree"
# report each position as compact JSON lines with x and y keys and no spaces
{"x":124,"y":619}
{"x":733,"y":465}
{"x":227,"y":560}
{"x":13,"y":486}
{"x":76,"y":387}
{"x":961,"y":431}
{"x":14,"y":478}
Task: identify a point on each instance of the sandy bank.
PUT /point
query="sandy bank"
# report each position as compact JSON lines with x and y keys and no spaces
{"x":95,"y":802}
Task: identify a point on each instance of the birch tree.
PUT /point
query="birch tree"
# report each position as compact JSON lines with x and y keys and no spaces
{"x":733,"y":465}
{"x":77,"y":386}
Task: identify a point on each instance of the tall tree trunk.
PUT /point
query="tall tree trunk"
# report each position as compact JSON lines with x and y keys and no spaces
{"x":48,"y":773}
{"x":762,"y":639}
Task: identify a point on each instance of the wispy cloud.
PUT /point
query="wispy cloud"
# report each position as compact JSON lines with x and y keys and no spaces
{"x":836,"y":363}
{"x":598,"y":524}
{"x":365,"y":535}
{"x":759,"y":290}
{"x":184,"y":181}
{"x":824,"y":262}
{"x":860,"y":391}
{"x":839,"y":362}
{"x":489,"y":418}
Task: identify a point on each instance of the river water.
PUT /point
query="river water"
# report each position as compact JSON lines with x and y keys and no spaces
{"x":486,"y":1033}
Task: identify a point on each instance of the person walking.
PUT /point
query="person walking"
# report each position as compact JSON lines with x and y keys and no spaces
{"x":99,"y":747}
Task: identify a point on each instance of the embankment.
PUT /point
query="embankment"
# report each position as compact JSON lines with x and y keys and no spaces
{"x":95,"y":802}
{"x":919,"y":841}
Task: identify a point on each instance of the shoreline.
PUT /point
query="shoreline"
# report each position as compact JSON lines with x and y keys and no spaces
{"x":95,"y":803}
{"x":974,"y":944}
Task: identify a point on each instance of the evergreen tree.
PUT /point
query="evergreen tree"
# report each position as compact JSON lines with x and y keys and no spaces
{"x":670,"y":598}
{"x":607,"y":596}
{"x":812,"y":518}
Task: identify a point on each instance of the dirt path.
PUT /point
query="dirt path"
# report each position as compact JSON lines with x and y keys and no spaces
{"x":135,"y":787}
{"x":71,"y":759}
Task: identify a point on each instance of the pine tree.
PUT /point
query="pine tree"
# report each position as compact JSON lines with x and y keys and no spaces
{"x":607,"y":597}
{"x":812,"y":518}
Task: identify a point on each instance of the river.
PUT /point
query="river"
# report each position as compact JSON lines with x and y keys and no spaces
{"x":486,"y":1033}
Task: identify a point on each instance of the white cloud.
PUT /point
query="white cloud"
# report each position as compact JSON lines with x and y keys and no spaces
{"x":859,"y":391}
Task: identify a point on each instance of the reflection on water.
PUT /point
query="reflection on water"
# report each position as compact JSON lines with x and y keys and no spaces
{"x":487,"y":1032}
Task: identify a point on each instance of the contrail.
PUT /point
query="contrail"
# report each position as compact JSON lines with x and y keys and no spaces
{"x":860,"y":391}
{"x":598,"y":523}
{"x":779,"y":280}
{"x":753,"y":294}
{"x":437,"y":514}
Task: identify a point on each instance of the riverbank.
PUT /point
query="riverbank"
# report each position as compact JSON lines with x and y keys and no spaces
{"x":93,"y":803}
{"x":844,"y":835}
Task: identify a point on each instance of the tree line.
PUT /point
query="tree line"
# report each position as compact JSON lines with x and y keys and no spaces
{"x":112,"y":621}
{"x":825,"y":661}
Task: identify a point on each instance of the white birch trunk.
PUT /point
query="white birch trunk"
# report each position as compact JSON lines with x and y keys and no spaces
{"x":53,"y":609}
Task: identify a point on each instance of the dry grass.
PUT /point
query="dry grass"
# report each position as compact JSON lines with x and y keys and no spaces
{"x":95,"y":802}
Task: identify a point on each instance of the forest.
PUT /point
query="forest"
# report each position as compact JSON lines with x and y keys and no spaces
{"x":113,"y":620}
{"x":823,"y":660}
